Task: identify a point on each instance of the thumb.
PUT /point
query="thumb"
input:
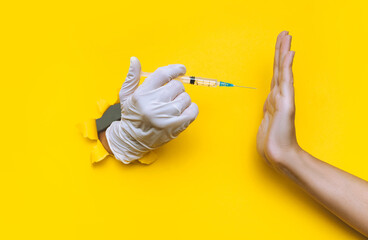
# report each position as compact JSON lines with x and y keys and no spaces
{"x":132,"y":80}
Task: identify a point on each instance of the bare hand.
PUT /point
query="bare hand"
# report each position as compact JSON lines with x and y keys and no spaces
{"x":276,"y":135}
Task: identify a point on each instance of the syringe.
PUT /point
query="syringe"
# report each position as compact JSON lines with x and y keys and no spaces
{"x":209,"y":82}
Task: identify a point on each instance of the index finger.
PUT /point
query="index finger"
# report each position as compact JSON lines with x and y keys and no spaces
{"x":284,"y":49}
{"x":277,"y":56}
{"x":163,"y":75}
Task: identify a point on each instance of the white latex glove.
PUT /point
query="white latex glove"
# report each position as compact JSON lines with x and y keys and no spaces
{"x":151,"y":114}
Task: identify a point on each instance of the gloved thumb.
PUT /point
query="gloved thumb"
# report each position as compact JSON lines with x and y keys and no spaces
{"x":132,"y":80}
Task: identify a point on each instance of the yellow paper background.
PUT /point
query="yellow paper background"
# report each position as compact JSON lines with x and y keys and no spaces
{"x":59,"y":58}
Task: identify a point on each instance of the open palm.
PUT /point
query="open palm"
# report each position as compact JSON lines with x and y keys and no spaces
{"x":276,"y":135}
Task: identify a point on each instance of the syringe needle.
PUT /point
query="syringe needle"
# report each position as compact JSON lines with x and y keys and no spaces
{"x":244,"y":87}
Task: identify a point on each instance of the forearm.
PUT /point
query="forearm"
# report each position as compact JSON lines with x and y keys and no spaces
{"x":103,"y":140}
{"x":342,"y":193}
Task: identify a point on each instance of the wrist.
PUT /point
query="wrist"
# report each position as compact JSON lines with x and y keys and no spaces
{"x":288,"y":157}
{"x":292,"y":162}
{"x":124,"y":145}
{"x":103,"y":140}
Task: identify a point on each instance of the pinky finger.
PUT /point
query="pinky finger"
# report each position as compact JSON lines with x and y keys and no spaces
{"x":186,"y":118}
{"x":190,"y":114}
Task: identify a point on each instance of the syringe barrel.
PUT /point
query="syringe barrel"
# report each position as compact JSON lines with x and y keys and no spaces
{"x":208,"y":82}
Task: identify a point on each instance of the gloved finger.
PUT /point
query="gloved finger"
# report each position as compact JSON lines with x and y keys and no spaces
{"x":186,"y":118}
{"x":179,"y":121}
{"x":162,"y":76}
{"x":179,"y":104}
{"x":171,"y":90}
{"x":190,"y":113}
{"x":132,"y":79}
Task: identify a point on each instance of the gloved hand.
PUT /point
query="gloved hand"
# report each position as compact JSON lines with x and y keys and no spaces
{"x":151,"y":114}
